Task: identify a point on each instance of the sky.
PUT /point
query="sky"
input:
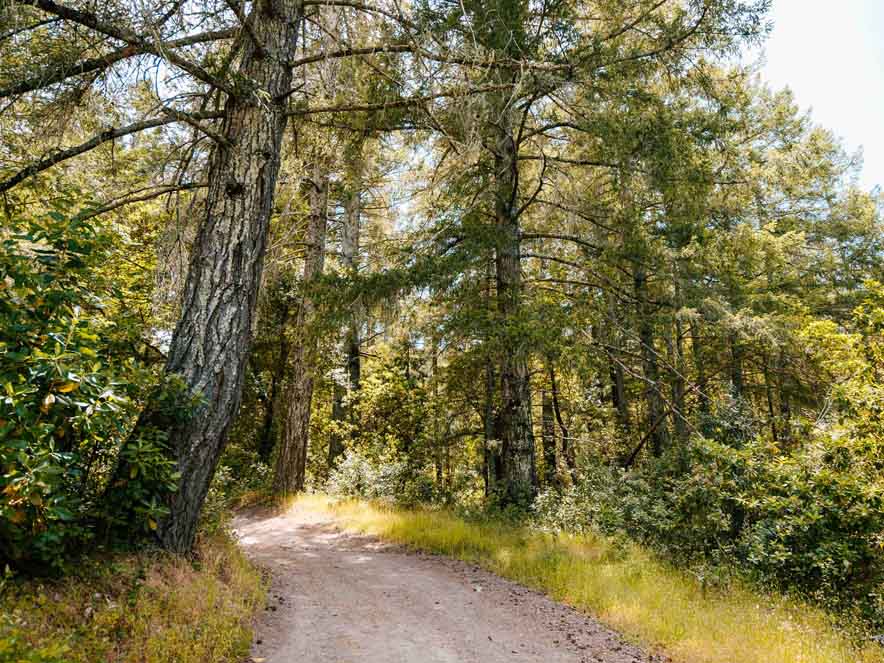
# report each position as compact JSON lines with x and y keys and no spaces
{"x":831,"y":54}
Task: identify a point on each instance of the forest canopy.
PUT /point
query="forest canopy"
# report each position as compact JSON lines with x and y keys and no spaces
{"x":565,"y":258}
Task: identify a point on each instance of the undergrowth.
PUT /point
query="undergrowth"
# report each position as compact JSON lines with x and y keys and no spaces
{"x":623,"y":585}
{"x":148,"y":607}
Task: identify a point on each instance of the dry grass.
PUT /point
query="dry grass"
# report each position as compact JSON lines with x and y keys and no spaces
{"x":625,"y":587}
{"x":137,"y":609}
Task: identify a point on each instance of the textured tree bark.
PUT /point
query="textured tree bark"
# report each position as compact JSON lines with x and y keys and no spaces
{"x":700,"y":368}
{"x":267,"y":437}
{"x":678,"y":384}
{"x":210,"y":345}
{"x":336,"y":440}
{"x":514,"y":418}
{"x":491,"y":472}
{"x":273,"y":412}
{"x":768,"y":391}
{"x":548,"y":437}
{"x":354,"y":361}
{"x":568,"y":451}
{"x":785,"y":405}
{"x":736,"y":365}
{"x":437,"y":437}
{"x":655,"y":408}
{"x":618,"y":387}
{"x":291,"y":458}
{"x":615,"y":369}
{"x":350,"y":237}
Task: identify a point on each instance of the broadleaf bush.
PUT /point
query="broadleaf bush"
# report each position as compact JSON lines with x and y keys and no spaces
{"x":808,"y":519}
{"x":73,"y":380}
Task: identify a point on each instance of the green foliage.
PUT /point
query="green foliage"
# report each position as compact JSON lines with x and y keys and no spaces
{"x":390,"y":451}
{"x":14,"y":648}
{"x":731,"y":421}
{"x":71,"y":390}
{"x":145,"y":469}
{"x":239,"y":476}
{"x":358,"y":476}
{"x":393,"y":410}
{"x":809,"y":519}
{"x":137,"y":608}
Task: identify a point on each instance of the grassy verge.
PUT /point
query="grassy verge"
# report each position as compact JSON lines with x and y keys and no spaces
{"x":145,"y":608}
{"x":624,"y":586}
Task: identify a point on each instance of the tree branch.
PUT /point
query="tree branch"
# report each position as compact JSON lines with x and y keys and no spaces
{"x":27,"y":28}
{"x":361,"y":6}
{"x":188,"y":118}
{"x":566,"y":238}
{"x":128,"y":36}
{"x":347,"y":52}
{"x":244,"y":22}
{"x":101,"y":62}
{"x":130,"y":199}
{"x":396,"y":103}
{"x":92,"y":143}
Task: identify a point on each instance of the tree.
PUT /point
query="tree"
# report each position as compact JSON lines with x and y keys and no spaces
{"x":209,"y":346}
{"x":231,"y":87}
{"x":291,"y":454}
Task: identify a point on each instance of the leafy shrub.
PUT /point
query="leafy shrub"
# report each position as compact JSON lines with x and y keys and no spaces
{"x":359,"y":476}
{"x":810,"y":519}
{"x":815,"y":519}
{"x":145,"y":471}
{"x":731,"y":421}
{"x":390,"y":453}
{"x":71,"y":388}
{"x":238,"y":474}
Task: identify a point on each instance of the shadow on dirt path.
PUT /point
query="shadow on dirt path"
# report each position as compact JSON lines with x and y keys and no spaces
{"x":342,"y":598}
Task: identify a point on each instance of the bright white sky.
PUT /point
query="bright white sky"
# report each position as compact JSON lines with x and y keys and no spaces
{"x":831,"y":54}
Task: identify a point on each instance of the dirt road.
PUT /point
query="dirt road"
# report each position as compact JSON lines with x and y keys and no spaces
{"x":340,"y":598}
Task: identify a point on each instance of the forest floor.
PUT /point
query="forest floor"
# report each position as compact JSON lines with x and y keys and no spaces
{"x":338,"y":597}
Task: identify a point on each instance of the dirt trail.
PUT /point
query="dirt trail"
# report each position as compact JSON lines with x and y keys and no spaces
{"x":341,"y":598}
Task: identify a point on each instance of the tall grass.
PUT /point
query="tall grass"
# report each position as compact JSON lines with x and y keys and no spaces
{"x":136,"y":608}
{"x":622,"y":585}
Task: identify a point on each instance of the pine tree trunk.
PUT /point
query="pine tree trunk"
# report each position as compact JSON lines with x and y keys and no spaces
{"x":350,"y":236}
{"x":336,"y":440}
{"x":291,"y":458}
{"x":615,"y":369}
{"x":514,"y":418}
{"x":700,"y":368}
{"x":768,"y":390}
{"x":678,"y":385}
{"x":618,"y":387}
{"x":655,"y":408}
{"x":209,"y":348}
{"x":569,"y":454}
{"x":491,"y":457}
{"x":785,"y":405}
{"x":267,"y":438}
{"x":736,"y":366}
{"x":491,"y":452}
{"x":437,"y":437}
{"x":273,"y":411}
{"x":548,"y":437}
